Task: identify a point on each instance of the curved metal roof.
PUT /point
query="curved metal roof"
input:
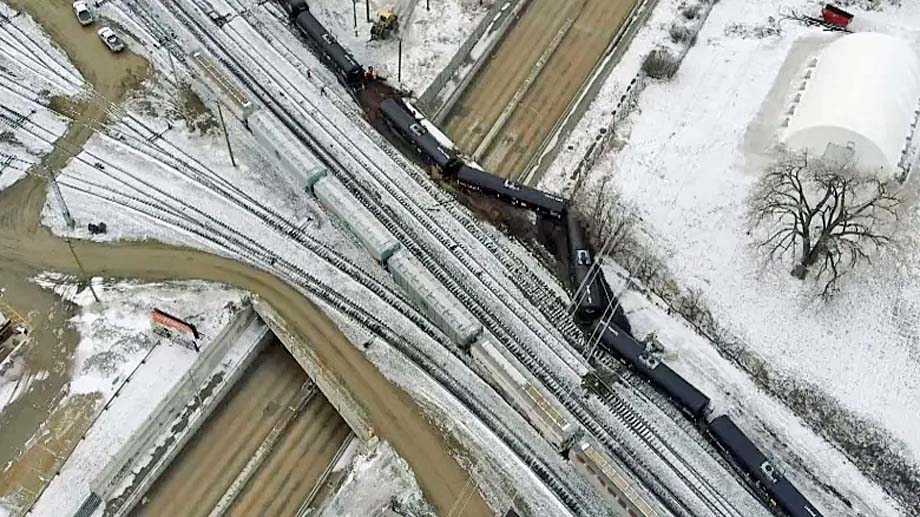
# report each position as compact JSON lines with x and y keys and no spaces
{"x":861,"y":93}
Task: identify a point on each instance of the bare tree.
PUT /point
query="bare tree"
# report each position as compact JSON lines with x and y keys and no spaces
{"x":830,"y":215}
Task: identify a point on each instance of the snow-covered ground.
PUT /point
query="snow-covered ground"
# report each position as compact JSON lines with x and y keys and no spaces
{"x":116,"y":335}
{"x":770,"y":423}
{"x":16,"y":379}
{"x":261,"y":178}
{"x":430,"y":38}
{"x":377,"y":479}
{"x":687,"y":158}
{"x":24,"y":71}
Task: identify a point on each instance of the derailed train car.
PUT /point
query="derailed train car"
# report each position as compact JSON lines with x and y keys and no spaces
{"x":781,"y":493}
{"x":294,"y":7}
{"x":590,"y":295}
{"x":398,"y":118}
{"x":622,"y":346}
{"x":526,"y":393}
{"x":412,"y":127}
{"x":512,"y":192}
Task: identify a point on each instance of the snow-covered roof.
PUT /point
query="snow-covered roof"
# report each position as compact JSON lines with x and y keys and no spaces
{"x":861,"y":93}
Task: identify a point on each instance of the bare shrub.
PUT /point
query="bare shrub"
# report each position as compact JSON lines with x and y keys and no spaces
{"x":680,"y":33}
{"x":660,"y":64}
{"x":690,"y":11}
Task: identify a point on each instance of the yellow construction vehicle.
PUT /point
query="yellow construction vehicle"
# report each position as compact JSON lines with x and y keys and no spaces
{"x":386,"y":24}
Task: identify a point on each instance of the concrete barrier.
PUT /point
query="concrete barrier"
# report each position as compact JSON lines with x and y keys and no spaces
{"x":144,"y":442}
{"x":169,"y":407}
{"x":352,"y":412}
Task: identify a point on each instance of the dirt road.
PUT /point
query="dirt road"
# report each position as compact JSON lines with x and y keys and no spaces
{"x":26,"y":249}
{"x":527,"y":106}
{"x":53,"y":343}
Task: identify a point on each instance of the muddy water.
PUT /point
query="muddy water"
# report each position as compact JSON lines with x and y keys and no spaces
{"x":26,"y":249}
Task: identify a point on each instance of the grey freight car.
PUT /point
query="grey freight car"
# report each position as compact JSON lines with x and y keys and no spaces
{"x":629,"y":498}
{"x":338,"y":200}
{"x":526,"y":393}
{"x":302,"y":167}
{"x":433,"y":299}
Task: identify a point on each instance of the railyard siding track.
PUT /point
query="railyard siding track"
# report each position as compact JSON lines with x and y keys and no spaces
{"x":559,"y":483}
{"x":553,"y":381}
{"x":560,"y":77}
{"x":26,"y":248}
{"x":535,"y":289}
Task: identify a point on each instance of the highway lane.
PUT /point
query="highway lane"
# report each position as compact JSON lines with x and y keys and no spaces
{"x":527,"y":111}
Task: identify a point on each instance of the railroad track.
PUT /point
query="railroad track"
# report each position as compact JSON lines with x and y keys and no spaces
{"x":27,"y":49}
{"x":468,"y":226}
{"x":452,"y":276}
{"x":559,"y":483}
{"x":561,"y":387}
{"x":553,"y":307}
{"x":234,"y":243}
{"x":342,"y":263}
{"x":489,"y":244}
{"x":628,"y":379}
{"x":652,"y":437}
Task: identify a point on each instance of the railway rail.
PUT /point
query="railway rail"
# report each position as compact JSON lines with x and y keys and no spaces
{"x":549,"y":303}
{"x":553,"y":482}
{"x":489,"y":243}
{"x":234,"y":243}
{"x":556,"y":384}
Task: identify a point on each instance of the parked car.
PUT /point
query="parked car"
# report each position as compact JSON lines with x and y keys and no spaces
{"x":84,"y":15}
{"x":111,"y":39}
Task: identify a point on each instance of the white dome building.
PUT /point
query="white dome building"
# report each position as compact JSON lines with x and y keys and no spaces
{"x":859,"y":103}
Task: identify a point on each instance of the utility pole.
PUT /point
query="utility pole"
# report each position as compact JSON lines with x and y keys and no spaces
{"x":220,"y":113}
{"x":172,"y":65}
{"x":368,"y":7}
{"x":194,"y":386}
{"x":89,"y":281}
{"x":354,"y":10}
{"x":399,"y":63}
{"x":60,"y":197}
{"x":427,"y":5}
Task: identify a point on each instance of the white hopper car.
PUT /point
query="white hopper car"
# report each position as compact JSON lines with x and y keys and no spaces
{"x":300,"y":166}
{"x":611,"y":482}
{"x":525,"y":393}
{"x":445,"y":311}
{"x":373,"y":235}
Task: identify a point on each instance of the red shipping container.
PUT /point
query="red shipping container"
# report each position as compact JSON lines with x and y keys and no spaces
{"x":836,"y":16}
